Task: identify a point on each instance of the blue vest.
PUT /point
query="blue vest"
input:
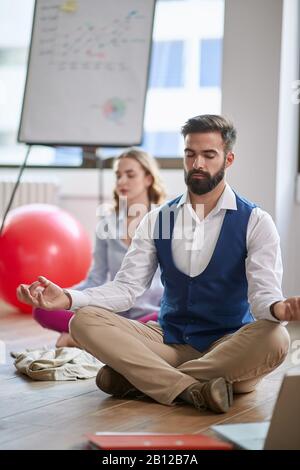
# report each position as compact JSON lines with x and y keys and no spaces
{"x":199,"y":310}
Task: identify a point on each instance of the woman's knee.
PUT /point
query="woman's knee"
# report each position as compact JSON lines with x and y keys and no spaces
{"x":43,"y":317}
{"x":39,"y":315}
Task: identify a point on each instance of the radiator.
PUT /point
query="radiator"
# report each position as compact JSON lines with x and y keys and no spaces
{"x":28,"y":192}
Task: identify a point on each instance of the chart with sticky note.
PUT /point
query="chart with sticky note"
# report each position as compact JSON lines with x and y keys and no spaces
{"x":87,"y":72}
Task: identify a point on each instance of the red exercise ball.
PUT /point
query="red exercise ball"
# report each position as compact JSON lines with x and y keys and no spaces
{"x":41,"y":239}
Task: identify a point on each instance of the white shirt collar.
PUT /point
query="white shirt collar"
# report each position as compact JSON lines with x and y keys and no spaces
{"x":226,"y":201}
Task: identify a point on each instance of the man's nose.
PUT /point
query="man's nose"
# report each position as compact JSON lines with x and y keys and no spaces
{"x":199,"y":162}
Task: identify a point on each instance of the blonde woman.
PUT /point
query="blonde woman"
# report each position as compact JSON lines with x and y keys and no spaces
{"x":138,"y":186}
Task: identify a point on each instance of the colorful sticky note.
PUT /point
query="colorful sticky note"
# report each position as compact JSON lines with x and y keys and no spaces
{"x":69,"y":6}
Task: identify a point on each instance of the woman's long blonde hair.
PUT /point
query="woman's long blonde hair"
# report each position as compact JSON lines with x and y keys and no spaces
{"x":156,"y":191}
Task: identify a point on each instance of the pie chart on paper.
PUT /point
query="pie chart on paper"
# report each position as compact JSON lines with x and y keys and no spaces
{"x":114,"y":109}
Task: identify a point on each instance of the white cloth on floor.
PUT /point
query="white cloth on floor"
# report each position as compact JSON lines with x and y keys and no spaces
{"x":56,"y":363}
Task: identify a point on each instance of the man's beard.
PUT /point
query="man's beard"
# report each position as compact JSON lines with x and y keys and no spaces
{"x":204,"y":185}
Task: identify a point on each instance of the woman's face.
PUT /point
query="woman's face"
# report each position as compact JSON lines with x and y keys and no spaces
{"x":131,"y":180}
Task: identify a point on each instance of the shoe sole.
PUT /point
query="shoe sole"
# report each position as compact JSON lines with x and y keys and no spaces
{"x":221,"y":394}
{"x":229,"y":393}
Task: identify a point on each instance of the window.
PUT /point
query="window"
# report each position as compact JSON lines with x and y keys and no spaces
{"x":167,"y":64}
{"x":163,"y":144}
{"x":182,"y":81}
{"x":15,"y":30}
{"x":210,"y":62}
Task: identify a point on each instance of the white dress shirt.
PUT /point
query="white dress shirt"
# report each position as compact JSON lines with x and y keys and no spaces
{"x":193,"y":244}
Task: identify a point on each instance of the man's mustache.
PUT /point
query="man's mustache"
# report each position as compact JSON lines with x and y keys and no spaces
{"x":200,"y":173}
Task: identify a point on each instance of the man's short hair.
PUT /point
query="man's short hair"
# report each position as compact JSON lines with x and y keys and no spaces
{"x":212,"y":123}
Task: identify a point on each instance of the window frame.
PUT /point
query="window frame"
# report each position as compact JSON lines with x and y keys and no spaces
{"x":89,"y":161}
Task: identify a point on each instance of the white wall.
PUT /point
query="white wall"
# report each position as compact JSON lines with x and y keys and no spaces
{"x":251,"y":69}
{"x":287,"y":208}
{"x":260,"y":62}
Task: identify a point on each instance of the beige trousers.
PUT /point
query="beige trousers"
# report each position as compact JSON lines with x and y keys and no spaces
{"x":162,"y":371}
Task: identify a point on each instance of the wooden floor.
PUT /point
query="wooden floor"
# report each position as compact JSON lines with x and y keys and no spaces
{"x":57,"y":415}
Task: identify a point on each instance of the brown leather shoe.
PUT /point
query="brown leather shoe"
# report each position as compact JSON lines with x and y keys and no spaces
{"x":113,"y":383}
{"x":215,"y":395}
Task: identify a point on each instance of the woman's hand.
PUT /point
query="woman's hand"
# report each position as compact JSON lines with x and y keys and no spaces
{"x":43,"y":294}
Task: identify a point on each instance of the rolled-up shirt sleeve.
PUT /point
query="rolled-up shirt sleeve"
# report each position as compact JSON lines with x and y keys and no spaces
{"x":131,"y":281}
{"x":263,"y":264}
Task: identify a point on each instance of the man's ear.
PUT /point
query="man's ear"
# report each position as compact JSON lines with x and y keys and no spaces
{"x":229,"y":159}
